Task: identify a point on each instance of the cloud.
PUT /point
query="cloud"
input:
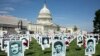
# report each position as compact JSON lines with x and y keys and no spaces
{"x":10,"y":1}
{"x":4,"y":12}
{"x":9,"y":9}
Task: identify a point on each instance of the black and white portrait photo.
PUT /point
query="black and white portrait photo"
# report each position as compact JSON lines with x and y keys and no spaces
{"x":45,"y":43}
{"x":45,"y":40}
{"x":58,"y":48}
{"x":4,"y":43}
{"x":90,"y":46}
{"x":96,"y":36}
{"x":25,"y":42}
{"x":15,"y":48}
{"x":56,"y":37}
{"x":64,"y":37}
{"x":80,"y":39}
{"x":90,"y":35}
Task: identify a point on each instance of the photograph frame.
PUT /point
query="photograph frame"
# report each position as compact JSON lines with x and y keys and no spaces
{"x":54,"y":51}
{"x":8,"y":48}
{"x":94,"y":41}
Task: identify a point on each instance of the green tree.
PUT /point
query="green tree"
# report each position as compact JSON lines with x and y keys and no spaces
{"x":58,"y":28}
{"x":75,"y":28}
{"x":96,"y":22}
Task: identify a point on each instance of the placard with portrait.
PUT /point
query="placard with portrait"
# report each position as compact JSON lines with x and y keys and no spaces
{"x":58,"y":48}
{"x":15,"y":48}
{"x":90,"y":46}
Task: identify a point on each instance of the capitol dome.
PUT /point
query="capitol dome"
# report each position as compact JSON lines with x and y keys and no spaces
{"x":44,"y":13}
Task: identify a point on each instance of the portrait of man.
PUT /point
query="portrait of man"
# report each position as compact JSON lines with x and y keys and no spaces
{"x":56,"y":37}
{"x":90,"y":35}
{"x":58,"y":48}
{"x":90,"y":46}
{"x":96,"y":36}
{"x":80,"y":40}
{"x":4,"y":43}
{"x":15,"y":48}
{"x":65,"y":37}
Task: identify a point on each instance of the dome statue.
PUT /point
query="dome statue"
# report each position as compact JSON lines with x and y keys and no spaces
{"x":45,"y":13}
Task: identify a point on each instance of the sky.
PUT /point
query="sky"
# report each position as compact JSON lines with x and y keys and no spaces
{"x":64,"y":12}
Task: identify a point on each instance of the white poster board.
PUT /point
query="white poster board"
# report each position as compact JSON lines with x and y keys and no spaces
{"x":58,"y":48}
{"x":90,"y":46}
{"x":79,"y":40}
{"x":25,"y":41}
{"x":66,"y":40}
{"x":45,"y":43}
{"x":4,"y":43}
{"x":15,"y":48}
{"x":96,"y":36}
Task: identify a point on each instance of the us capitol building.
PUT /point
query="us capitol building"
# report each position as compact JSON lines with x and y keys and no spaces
{"x":43,"y":24}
